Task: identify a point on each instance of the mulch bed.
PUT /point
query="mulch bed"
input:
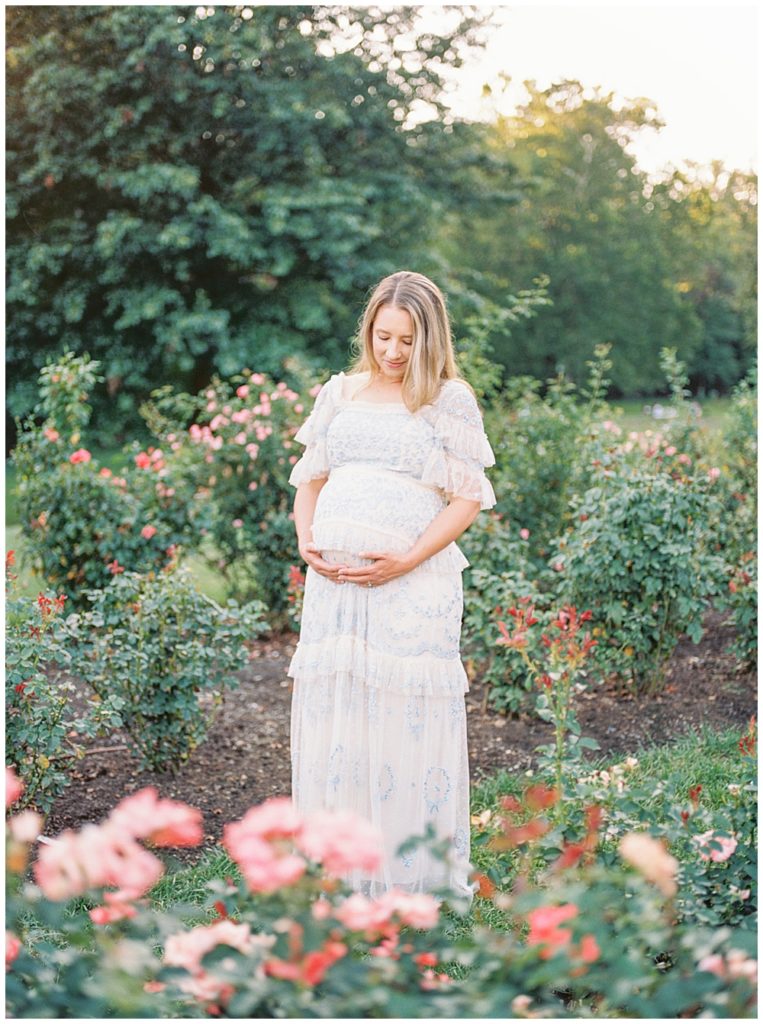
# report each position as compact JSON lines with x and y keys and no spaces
{"x":245,"y":758}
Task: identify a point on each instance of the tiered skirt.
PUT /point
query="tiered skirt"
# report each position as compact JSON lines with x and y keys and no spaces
{"x":378,"y":723}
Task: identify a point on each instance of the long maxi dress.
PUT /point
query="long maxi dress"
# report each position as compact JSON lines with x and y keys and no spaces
{"x":378,"y":718}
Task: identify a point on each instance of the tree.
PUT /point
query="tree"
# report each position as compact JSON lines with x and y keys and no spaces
{"x":585,"y":222}
{"x":192,"y":190}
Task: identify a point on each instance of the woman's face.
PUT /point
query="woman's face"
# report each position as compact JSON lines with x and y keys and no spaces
{"x":393,"y":340}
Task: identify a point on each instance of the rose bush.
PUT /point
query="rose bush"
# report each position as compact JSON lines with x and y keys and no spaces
{"x":82,"y":523}
{"x":590,"y":934}
{"x":42,"y":729}
{"x":161,"y":653}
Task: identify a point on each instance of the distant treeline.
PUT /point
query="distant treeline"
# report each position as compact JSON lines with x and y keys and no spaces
{"x":192,"y":191}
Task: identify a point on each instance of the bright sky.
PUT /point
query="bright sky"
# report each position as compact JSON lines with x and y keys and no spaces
{"x":697,"y":64}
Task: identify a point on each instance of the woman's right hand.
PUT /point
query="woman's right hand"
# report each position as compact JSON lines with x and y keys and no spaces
{"x":312,"y":556}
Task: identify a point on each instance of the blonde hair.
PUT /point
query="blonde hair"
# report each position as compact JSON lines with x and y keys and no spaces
{"x":432,"y":359}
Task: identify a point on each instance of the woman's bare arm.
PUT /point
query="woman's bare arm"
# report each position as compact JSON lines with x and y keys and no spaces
{"x":304,"y":509}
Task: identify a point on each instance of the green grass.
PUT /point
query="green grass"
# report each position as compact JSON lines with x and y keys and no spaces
{"x":629,"y":413}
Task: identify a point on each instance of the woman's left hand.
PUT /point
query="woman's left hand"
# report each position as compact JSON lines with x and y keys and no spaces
{"x":387,"y":566}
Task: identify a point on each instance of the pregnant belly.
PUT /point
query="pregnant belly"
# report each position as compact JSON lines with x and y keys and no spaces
{"x":364,"y":508}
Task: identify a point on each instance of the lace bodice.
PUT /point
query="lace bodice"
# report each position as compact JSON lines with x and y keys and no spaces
{"x":442,"y":445}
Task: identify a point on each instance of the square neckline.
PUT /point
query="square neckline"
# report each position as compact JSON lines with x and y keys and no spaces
{"x":352,"y":400}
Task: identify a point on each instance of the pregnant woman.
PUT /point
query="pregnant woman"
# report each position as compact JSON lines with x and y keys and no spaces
{"x":392,"y":474}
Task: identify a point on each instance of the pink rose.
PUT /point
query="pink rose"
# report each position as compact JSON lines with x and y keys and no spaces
{"x":341,"y":841}
{"x":148,"y":532}
{"x":12,"y":948}
{"x":143,"y":460}
{"x":727,"y":844}
{"x":163,"y":822}
{"x":81,"y":455}
{"x":51,"y":434}
{"x":14,"y":787}
{"x":242,"y":391}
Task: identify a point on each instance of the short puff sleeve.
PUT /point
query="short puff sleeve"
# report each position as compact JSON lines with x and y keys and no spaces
{"x":461,"y":449}
{"x":314,"y":462}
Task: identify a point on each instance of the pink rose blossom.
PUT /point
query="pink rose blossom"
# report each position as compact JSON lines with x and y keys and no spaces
{"x":81,"y":455}
{"x":713,"y":963}
{"x":357,"y":913}
{"x":240,"y":438}
{"x":14,"y":787}
{"x":94,"y":857}
{"x":143,"y":460}
{"x":51,"y":434}
{"x":26,"y":826}
{"x":714,"y":473}
{"x":148,"y":532}
{"x":211,"y":406}
{"x":727,"y":844}
{"x":242,"y":391}
{"x":115,"y":909}
{"x":298,"y":408}
{"x":671,"y":450}
{"x":238,"y":523}
{"x":524,"y":533}
{"x":341,"y":841}
{"x":105,"y":472}
{"x":163,"y":822}
{"x":684,"y":459}
{"x":12,"y":948}
{"x":256,"y":378}
{"x":315,"y":390}
{"x":293,"y":459}
{"x":321,"y":909}
{"x":417,"y":909}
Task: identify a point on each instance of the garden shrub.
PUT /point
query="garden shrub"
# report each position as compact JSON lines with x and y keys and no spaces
{"x":539,"y":444}
{"x":639,"y":556}
{"x":238,"y":448}
{"x":164,"y":652}
{"x":737,"y":523}
{"x":42,"y":728}
{"x":500,"y":571}
{"x":81,"y":522}
{"x":590,"y":937}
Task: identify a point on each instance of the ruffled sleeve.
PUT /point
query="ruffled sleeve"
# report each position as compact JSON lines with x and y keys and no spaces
{"x":461,"y":449}
{"x":314,"y":462}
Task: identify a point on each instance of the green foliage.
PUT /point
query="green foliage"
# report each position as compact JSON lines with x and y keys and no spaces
{"x":82,"y":522}
{"x":586,"y":221}
{"x":161,"y":653}
{"x":648,"y":938}
{"x":42,"y":727}
{"x":237,"y":454}
{"x":639,"y":557}
{"x":189,"y":190}
{"x":500,"y":572}
{"x":541,"y":447}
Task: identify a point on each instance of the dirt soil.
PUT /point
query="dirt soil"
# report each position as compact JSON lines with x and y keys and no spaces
{"x":245,"y":758}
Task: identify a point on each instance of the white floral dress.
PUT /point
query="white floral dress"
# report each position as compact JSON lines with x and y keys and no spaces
{"x":378,"y":721}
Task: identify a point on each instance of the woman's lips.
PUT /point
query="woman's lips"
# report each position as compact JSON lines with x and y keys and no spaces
{"x":393,"y":364}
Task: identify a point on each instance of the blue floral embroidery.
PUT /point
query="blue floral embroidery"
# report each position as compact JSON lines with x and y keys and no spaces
{"x":334,"y":769}
{"x":461,"y":841}
{"x":386,"y":781}
{"x":436,"y":788}
{"x":415,"y":715}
